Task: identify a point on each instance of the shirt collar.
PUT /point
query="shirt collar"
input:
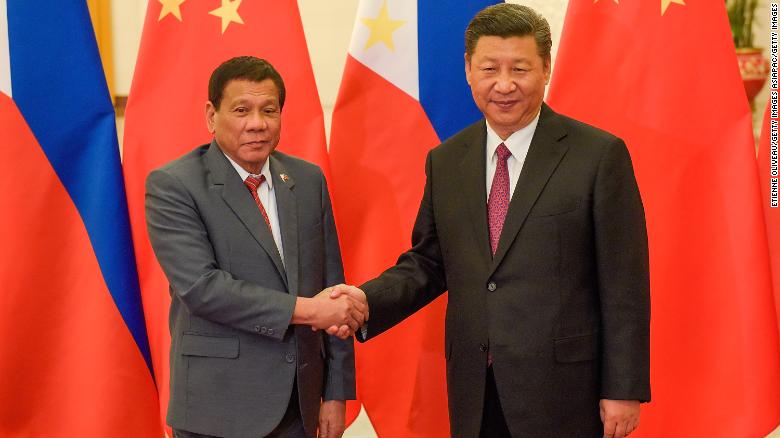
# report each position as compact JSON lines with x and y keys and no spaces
{"x":517,"y":143}
{"x":266,"y":170}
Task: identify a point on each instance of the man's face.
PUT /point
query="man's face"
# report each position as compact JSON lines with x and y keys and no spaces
{"x":507,"y":78}
{"x":248,"y":122}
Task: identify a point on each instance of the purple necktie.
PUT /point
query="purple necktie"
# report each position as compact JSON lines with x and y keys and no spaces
{"x":498,"y":202}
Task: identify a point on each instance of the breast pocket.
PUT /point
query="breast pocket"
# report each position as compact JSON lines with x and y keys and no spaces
{"x":545,"y":208}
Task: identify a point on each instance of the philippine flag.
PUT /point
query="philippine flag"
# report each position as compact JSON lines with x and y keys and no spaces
{"x":74,"y":357}
{"x":403,"y":92}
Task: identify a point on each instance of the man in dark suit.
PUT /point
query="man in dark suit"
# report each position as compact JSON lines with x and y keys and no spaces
{"x":246,"y":238}
{"x":534,"y":223}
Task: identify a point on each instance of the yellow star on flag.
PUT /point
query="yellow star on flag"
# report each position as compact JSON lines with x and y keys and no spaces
{"x":170,"y":7}
{"x":665,"y":4}
{"x":382,"y":28}
{"x":228,"y":12}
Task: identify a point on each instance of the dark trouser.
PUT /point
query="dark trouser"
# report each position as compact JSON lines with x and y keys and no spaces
{"x":291,"y":425}
{"x":493,"y":422}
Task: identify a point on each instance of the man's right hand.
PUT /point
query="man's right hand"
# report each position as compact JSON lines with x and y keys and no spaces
{"x":324,"y":311}
{"x":344,"y":331}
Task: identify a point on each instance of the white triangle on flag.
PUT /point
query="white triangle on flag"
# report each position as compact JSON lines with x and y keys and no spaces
{"x":394,"y":57}
{"x":5,"y":58}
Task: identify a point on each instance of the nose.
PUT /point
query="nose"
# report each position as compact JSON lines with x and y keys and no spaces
{"x":257,"y":121}
{"x":505,"y":83}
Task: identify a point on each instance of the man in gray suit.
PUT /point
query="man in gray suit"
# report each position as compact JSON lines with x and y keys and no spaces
{"x":246,"y":238}
{"x":534,"y":223}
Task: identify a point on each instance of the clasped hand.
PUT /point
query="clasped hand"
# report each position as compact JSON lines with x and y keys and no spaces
{"x":340,"y":310}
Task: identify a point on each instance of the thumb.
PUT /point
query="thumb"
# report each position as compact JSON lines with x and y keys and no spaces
{"x":336,"y":291}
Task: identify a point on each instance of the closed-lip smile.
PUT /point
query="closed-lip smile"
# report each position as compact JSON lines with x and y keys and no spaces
{"x":504,"y":103}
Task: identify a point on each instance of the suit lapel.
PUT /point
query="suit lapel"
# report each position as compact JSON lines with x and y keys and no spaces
{"x":287,"y":208}
{"x":472,"y":170}
{"x":238,"y":198}
{"x":544,"y":154}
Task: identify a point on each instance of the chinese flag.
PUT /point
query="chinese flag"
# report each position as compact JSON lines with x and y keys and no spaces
{"x":183,"y":42}
{"x":662,"y":75}
{"x":768,"y":175}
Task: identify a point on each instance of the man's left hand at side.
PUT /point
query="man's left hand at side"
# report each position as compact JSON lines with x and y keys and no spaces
{"x":620,"y":417}
{"x":332,"y":418}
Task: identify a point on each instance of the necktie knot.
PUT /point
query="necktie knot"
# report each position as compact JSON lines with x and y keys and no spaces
{"x":503,"y":152}
{"x":253,"y":182}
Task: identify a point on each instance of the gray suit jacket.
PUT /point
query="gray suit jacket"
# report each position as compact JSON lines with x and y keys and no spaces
{"x":234,"y":354}
{"x":563,"y":307}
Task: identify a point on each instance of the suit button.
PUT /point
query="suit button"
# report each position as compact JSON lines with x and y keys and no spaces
{"x":270,"y":331}
{"x":483,"y":347}
{"x":263,"y":330}
{"x":290,"y":358}
{"x":492,"y":286}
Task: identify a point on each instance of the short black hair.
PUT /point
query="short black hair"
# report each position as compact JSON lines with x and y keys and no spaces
{"x":249,"y":68}
{"x":509,"y":20}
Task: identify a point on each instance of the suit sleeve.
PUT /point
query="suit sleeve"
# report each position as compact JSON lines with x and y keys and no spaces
{"x":340,"y":360}
{"x":623,"y":277}
{"x":182,"y":246}
{"x":417,"y":277}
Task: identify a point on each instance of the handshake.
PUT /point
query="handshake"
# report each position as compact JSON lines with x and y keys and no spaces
{"x":339,"y":310}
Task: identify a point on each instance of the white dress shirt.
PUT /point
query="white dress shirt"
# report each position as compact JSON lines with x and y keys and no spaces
{"x":518,"y":144}
{"x":267,"y":197}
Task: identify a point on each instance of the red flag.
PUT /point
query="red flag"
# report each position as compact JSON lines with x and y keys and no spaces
{"x":182,"y":43}
{"x":768,"y":175}
{"x":662,"y":75}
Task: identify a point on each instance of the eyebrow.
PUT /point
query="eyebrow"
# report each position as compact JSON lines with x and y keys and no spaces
{"x":244,"y":101}
{"x":488,"y":59}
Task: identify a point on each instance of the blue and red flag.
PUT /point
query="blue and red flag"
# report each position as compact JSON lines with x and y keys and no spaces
{"x":403,"y":92}
{"x":74,"y":356}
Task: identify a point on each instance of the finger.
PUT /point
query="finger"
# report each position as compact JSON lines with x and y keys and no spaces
{"x":332,"y":330}
{"x":620,"y":429}
{"x":609,"y":429}
{"x":632,"y":426}
{"x":324,"y":432}
{"x":357,"y":304}
{"x":359,"y":296}
{"x":344,"y":332}
{"x":354,"y":323}
{"x":337,"y":290}
{"x":357,"y":316}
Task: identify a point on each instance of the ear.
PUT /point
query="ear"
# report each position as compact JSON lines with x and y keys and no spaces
{"x":467,"y":67}
{"x":211,"y":113}
{"x":547,"y":71}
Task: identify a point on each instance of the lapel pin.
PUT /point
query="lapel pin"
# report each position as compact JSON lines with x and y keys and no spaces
{"x":284,"y":177}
